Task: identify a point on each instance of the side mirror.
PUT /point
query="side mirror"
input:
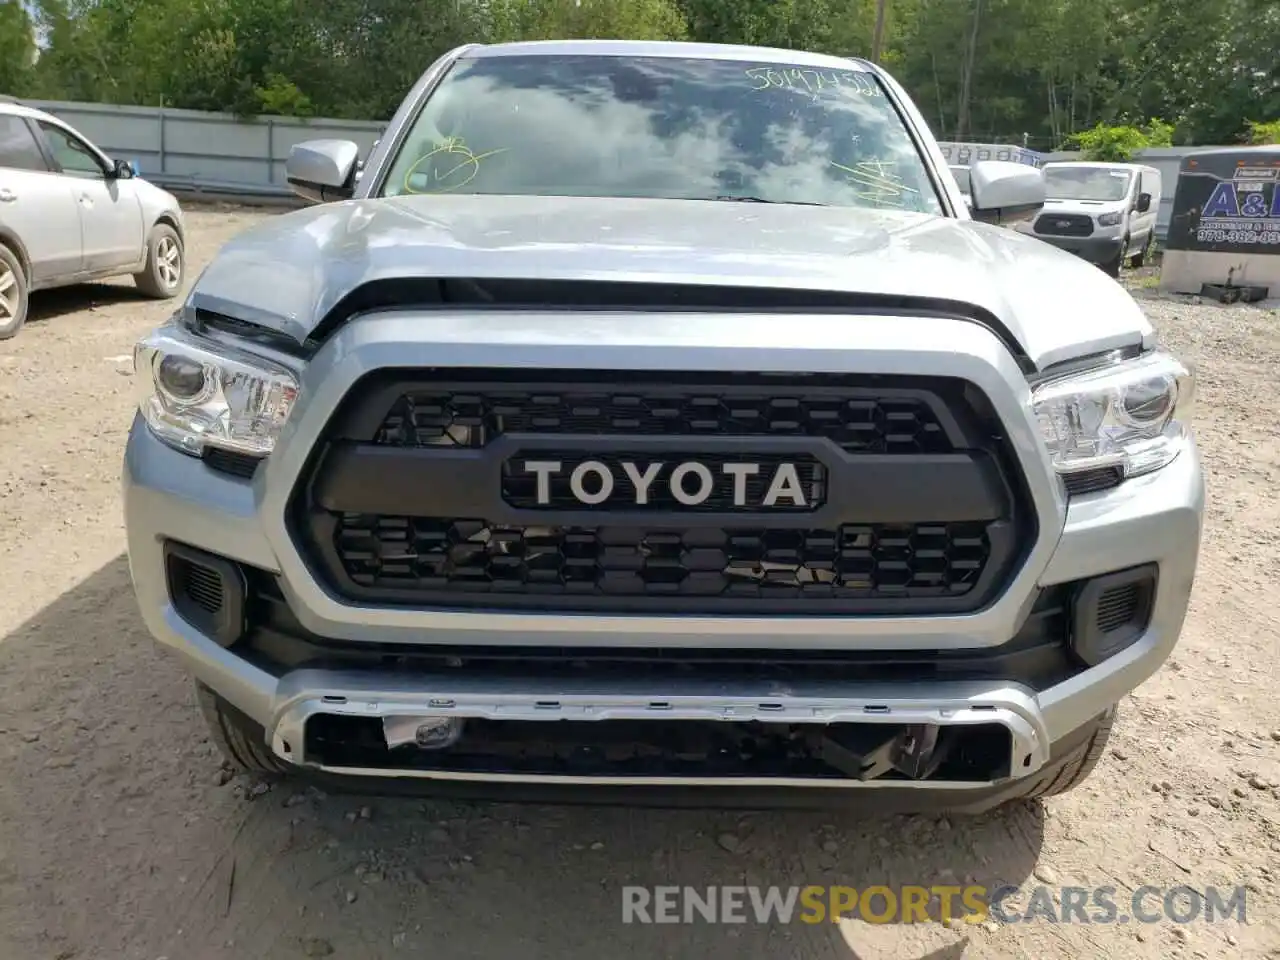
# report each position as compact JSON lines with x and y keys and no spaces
{"x":322,"y":170}
{"x":1005,"y":192}
{"x":360,"y":164}
{"x":121,"y":170}
{"x":1144,"y":202}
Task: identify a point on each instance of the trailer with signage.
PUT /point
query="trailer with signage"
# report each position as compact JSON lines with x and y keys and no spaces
{"x":967,"y":154}
{"x":1224,"y":229}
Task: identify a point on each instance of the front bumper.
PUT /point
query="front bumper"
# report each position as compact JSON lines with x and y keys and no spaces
{"x":1097,"y":250}
{"x":170,"y":497}
{"x":361,"y":695}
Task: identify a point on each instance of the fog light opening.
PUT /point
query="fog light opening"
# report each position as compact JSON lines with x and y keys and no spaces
{"x":1111,"y":612}
{"x":424,"y":733}
{"x":207,"y":591}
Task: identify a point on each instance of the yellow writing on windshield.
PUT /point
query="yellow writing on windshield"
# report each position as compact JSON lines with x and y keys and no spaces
{"x":876,"y":181}
{"x":813,"y":81}
{"x":451,"y":165}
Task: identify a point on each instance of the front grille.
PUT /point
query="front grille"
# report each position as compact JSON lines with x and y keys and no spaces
{"x":906,"y":498}
{"x":1064,"y":225}
{"x":875,"y":421}
{"x":423,"y":556}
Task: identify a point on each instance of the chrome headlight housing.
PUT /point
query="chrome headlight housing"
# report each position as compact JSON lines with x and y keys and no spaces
{"x":1110,"y":219}
{"x":1132,"y":415}
{"x":196,"y":393}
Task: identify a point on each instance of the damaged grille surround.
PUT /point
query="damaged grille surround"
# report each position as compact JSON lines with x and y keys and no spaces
{"x":911,"y":503}
{"x":622,"y":751}
{"x":740,"y":734}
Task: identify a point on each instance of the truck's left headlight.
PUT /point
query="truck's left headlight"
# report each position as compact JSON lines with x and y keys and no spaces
{"x":195,"y":394}
{"x":1132,"y":415}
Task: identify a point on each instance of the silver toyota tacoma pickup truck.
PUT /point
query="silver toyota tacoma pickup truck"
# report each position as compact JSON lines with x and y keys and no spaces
{"x":650,"y":418}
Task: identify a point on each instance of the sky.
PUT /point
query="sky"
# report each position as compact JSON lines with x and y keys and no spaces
{"x":42,"y":38}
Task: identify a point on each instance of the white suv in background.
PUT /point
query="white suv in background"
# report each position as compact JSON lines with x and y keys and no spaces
{"x":70,"y":214}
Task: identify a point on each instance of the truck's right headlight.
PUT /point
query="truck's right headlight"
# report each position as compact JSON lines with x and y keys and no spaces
{"x":1132,"y":415}
{"x":195,"y":393}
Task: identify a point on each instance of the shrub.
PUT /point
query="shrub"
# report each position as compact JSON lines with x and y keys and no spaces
{"x":1263,"y":131}
{"x":1118,"y":143}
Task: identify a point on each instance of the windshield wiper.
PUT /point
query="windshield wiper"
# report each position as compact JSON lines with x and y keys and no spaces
{"x":734,"y":198}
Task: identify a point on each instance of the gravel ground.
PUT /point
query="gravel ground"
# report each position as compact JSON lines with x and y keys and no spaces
{"x":122,"y":837}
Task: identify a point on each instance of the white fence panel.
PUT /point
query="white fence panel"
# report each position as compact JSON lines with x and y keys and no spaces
{"x":205,"y":152}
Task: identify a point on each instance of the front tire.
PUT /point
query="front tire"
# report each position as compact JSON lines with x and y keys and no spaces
{"x":166,"y":264}
{"x":1079,"y":765}
{"x":1143,"y":255}
{"x":13,"y":294}
{"x":1112,"y":268}
{"x":241,"y":741}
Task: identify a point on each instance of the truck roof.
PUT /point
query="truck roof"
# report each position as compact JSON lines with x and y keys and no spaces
{"x":666,"y":48}
{"x":1100,"y":164}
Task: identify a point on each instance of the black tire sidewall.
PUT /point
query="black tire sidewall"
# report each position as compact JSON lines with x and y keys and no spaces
{"x":24,"y":295}
{"x":240,"y":740}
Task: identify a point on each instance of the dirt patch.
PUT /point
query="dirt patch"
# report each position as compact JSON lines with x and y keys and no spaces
{"x":121,"y":837}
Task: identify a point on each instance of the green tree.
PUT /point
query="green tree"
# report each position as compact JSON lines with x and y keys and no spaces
{"x":1263,"y":133}
{"x":1118,"y":144}
{"x":17,"y":48}
{"x":978,"y":69}
{"x":588,"y":19}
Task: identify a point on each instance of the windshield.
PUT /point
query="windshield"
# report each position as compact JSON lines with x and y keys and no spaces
{"x":1086,"y":183}
{"x":662,"y":127}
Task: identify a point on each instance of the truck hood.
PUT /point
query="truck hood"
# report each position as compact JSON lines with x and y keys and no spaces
{"x":289,"y":271}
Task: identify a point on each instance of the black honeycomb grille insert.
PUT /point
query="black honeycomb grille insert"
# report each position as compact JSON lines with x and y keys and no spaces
{"x":867,"y":421}
{"x":426,"y":556}
{"x":457,"y":524}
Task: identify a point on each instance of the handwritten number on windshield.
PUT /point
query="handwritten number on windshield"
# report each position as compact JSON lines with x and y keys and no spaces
{"x":812,"y":81}
{"x":455,"y":167}
{"x":876,"y":181}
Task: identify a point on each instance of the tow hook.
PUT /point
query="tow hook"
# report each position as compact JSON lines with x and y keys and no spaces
{"x":911,"y":750}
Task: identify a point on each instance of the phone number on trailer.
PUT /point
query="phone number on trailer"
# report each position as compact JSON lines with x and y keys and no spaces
{"x":1238,"y":236}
